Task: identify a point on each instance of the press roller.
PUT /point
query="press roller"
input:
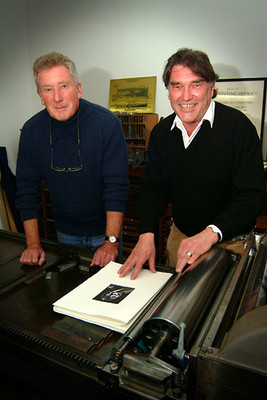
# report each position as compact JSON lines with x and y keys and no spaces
{"x":185,"y":305}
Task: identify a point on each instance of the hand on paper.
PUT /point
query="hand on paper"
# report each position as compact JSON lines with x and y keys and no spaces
{"x":104,"y":254}
{"x":193,"y":247}
{"x":144,"y":250}
{"x":33,"y":256}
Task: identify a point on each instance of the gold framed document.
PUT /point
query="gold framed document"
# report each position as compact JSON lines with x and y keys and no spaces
{"x":247,"y":95}
{"x":133,"y":95}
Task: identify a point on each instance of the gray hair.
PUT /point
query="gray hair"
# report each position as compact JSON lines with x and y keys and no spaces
{"x":51,"y":60}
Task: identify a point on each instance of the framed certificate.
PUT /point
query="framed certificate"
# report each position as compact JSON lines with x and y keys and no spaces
{"x":133,"y":95}
{"x":247,"y":95}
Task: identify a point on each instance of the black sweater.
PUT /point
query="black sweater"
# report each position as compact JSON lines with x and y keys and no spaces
{"x":218,"y":179}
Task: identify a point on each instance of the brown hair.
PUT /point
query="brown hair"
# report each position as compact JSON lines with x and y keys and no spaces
{"x":197,"y":61}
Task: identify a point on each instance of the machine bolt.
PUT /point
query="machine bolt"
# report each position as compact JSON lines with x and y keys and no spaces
{"x":114,"y":367}
{"x":210,"y":351}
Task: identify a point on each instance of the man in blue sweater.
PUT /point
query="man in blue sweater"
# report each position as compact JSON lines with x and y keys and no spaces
{"x":206,"y":160}
{"x":78,"y":149}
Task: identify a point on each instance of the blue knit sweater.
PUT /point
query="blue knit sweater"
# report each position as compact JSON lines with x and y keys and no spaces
{"x":80,"y":199}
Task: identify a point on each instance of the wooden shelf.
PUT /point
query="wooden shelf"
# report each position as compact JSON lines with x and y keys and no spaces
{"x":137,"y":128}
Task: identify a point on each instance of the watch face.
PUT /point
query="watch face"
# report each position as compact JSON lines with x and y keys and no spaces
{"x":112,"y":239}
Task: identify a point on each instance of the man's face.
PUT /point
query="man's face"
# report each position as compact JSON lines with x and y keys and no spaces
{"x":189,"y":95}
{"x":58,"y":92}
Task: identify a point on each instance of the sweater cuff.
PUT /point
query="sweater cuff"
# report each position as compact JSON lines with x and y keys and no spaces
{"x":115,"y":205}
{"x":28,"y":214}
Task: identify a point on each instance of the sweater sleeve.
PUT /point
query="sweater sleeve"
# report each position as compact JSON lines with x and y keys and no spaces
{"x":28,"y":197}
{"x":248,"y":183}
{"x":115,"y":167}
{"x":153,"y":197}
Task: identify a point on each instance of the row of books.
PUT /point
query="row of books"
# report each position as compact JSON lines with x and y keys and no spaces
{"x":135,"y":131}
{"x":131,"y":118}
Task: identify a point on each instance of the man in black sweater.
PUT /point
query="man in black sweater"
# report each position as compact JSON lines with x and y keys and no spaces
{"x":206,"y":160}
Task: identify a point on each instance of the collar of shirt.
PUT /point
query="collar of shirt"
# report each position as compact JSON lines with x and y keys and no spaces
{"x":209,"y":116}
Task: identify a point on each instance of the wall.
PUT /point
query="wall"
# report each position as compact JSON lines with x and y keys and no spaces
{"x":15,"y":75}
{"x":120,"y":39}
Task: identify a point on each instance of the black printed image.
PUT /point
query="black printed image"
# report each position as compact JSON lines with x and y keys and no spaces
{"x":114,"y":293}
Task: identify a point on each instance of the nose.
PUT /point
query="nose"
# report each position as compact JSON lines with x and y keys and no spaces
{"x":187,"y":95}
{"x":57,"y":95}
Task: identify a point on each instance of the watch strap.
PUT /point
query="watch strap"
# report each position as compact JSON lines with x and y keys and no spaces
{"x":112,"y":239}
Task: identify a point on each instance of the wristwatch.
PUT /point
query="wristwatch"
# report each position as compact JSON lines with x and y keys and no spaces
{"x":112,"y":239}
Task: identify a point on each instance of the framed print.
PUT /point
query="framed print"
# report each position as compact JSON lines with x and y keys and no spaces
{"x":247,"y":95}
{"x":133,"y":95}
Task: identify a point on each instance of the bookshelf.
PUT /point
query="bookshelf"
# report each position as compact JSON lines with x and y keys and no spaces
{"x":137,"y":128}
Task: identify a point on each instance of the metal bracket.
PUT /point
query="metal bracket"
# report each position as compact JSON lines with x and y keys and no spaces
{"x":179,"y":353}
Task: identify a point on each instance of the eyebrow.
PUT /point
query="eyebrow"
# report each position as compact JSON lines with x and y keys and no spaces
{"x":195,"y":81}
{"x":59,"y":83}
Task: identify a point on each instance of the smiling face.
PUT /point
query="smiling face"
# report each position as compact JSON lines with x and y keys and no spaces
{"x":58,"y":92}
{"x":190,"y":96}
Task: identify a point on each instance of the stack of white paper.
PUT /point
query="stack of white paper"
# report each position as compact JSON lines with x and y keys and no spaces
{"x":108,"y":300}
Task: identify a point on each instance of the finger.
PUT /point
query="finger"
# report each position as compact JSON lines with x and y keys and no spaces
{"x":129,"y":263}
{"x":127,"y":266}
{"x":136,"y":271}
{"x":183,"y":261}
{"x":124,"y":270}
{"x":94,"y":260}
{"x":112,"y":255}
{"x":97,"y":257}
{"x":152,"y":265}
{"x":42,"y":258}
{"x":26,"y":258}
{"x":33,"y":258}
{"x":194,"y":257}
{"x":180,"y":266}
{"x":102,"y":258}
{"x":101,"y":263}
{"x":105,"y":257}
{"x":22,"y":259}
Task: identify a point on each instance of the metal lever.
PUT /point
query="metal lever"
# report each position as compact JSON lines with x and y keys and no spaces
{"x":179,"y":353}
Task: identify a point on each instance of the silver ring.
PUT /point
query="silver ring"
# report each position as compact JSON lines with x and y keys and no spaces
{"x":189,"y":254}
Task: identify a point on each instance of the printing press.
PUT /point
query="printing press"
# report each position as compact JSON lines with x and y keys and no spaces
{"x":203,"y":336}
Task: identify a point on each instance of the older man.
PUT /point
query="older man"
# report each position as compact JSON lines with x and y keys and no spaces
{"x":206,"y":160}
{"x":78,"y":149}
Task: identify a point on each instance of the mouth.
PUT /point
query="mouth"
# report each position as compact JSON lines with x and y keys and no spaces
{"x":187,"y":106}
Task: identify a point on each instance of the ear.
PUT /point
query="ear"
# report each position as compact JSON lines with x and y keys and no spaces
{"x":41,"y":97}
{"x":79,"y":90}
{"x":212,"y":90}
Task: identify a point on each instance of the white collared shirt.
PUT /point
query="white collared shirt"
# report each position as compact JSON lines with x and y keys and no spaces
{"x":209,"y":116}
